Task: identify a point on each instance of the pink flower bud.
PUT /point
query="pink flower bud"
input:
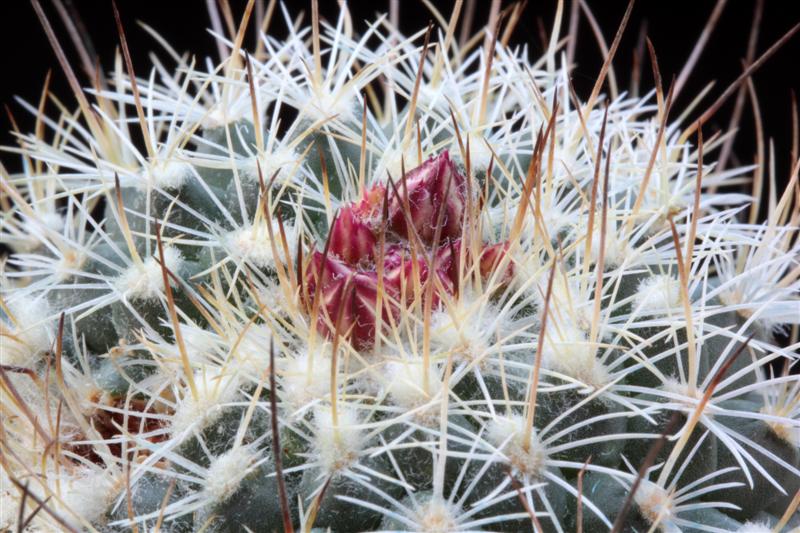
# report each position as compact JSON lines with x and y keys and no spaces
{"x":434,"y":185}
{"x":399,"y":273}
{"x":352,"y":239}
{"x":491,"y":257}
{"x":347,"y":292}
{"x":369,"y":207}
{"x":353,"y":235}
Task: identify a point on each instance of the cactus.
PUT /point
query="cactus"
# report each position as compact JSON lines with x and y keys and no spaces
{"x":255,"y":297}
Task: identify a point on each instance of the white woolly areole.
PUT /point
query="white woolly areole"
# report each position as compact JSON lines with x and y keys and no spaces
{"x":223,"y":114}
{"x":654,"y":504}
{"x":281,"y":160}
{"x":305,"y":378}
{"x":690,"y":394}
{"x":166,"y":175}
{"x":85,"y":492}
{"x":616,"y":248}
{"x":661,"y":200}
{"x":755,"y":527}
{"x":201,"y":344}
{"x":786,"y":431}
{"x":657,"y":294}
{"x":272,"y":297}
{"x":568,"y":307}
{"x":88,"y":493}
{"x":324,"y":105}
{"x":509,"y":432}
{"x":393,"y":160}
{"x":407,"y":383}
{"x":215,"y":118}
{"x":479,"y":154}
{"x":214,"y":389}
{"x":30,"y":335}
{"x":227,"y":471}
{"x":437,"y":516}
{"x":337,"y":445}
{"x":528,"y":267}
{"x":70,"y":261}
{"x":145,"y":281}
{"x":567,"y":350}
{"x":252,"y":243}
{"x":251,"y":357}
{"x":467,"y":329}
{"x":555,"y":220}
{"x":202,"y":347}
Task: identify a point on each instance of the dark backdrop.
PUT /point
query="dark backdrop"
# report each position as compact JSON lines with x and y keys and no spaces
{"x":673,"y":26}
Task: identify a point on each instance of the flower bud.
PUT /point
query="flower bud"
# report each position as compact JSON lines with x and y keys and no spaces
{"x":491,"y":257}
{"x":347,"y":292}
{"x":352,"y":240}
{"x":399,"y":273}
{"x":369,"y":207}
{"x":353,"y":234}
{"x":434,"y":185}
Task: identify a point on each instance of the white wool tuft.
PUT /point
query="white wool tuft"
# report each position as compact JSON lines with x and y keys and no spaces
{"x":146,"y":281}
{"x":677,"y":387}
{"x":202,"y":347}
{"x":617,"y":249}
{"x":85,"y":492}
{"x":392,"y":162}
{"x":337,"y":445}
{"x":227,"y":471}
{"x":282,"y":160}
{"x":29,"y":335}
{"x":252,"y":243}
{"x":306,"y":379}
{"x":200,"y":343}
{"x":568,"y":305}
{"x":168,"y":175}
{"x":657,"y":294}
{"x":567,"y":351}
{"x":89,"y":493}
{"x":251,"y":357}
{"x":272,"y":297}
{"x":213,"y":390}
{"x":786,"y":430}
{"x":509,"y":432}
{"x":479,"y":154}
{"x":656,"y":504}
{"x":407,"y":383}
{"x":437,"y":516}
{"x":468,"y":328}
{"x":69,"y":262}
{"x":327,"y":105}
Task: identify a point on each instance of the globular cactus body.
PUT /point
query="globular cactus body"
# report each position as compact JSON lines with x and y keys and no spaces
{"x":494,"y":307}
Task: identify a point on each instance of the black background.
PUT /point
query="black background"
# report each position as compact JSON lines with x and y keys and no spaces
{"x":672,"y":26}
